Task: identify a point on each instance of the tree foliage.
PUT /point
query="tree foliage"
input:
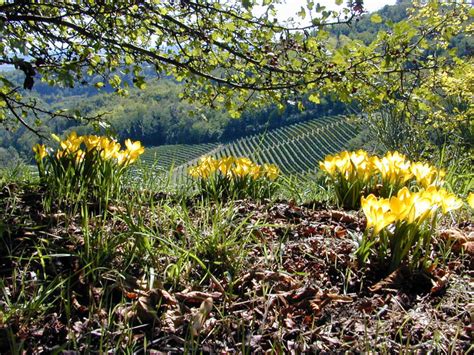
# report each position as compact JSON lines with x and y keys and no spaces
{"x":227,"y":56}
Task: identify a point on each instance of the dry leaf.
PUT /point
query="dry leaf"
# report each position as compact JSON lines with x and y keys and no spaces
{"x":289,"y":323}
{"x":146,"y":305}
{"x":339,"y":298}
{"x":394,"y":280}
{"x":131,"y":295}
{"x":440,"y":284}
{"x":196,"y":297}
{"x":77,"y":306}
{"x":468,"y":248}
{"x":172,"y":319}
{"x":342,"y":217}
{"x":340,"y":232}
{"x":455,"y":236}
{"x":166,"y":296}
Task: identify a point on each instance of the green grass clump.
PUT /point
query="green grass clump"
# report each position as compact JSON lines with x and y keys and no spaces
{"x":85,"y":169}
{"x":234,"y":178}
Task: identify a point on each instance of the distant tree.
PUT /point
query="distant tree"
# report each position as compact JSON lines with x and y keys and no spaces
{"x":223,"y":52}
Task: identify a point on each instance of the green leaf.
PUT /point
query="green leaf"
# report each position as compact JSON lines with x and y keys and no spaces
{"x":314,"y":98}
{"x":376,"y":18}
{"x":339,"y":2}
{"x":115,"y":81}
{"x":302,"y":13}
{"x":234,"y":113}
{"x":229,"y":26}
{"x":128,"y":59}
{"x":139,"y":82}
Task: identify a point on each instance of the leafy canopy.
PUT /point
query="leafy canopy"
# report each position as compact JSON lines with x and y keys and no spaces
{"x":225,"y":54}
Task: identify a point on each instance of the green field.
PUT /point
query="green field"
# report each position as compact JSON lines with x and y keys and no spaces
{"x":295,"y":149}
{"x":171,"y":156}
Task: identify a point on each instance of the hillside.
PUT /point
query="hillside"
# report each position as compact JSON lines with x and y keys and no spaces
{"x":156,"y":116}
{"x":296,"y":148}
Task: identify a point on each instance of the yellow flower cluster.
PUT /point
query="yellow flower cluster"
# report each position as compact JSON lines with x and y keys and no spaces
{"x":393,"y":168}
{"x":78,"y":146}
{"x":233,"y":167}
{"x":470,"y":200}
{"x":349,"y":165}
{"x":407,"y":206}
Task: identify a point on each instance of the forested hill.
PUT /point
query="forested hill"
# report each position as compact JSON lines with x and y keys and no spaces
{"x":366,"y":30}
{"x":156,"y":116}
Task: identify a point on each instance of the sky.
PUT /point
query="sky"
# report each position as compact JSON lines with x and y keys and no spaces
{"x":291,"y":7}
{"x":369,"y":5}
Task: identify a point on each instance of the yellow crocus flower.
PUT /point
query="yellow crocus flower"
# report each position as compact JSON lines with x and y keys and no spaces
{"x":73,"y":136}
{"x":343,"y":164}
{"x":396,"y":158}
{"x":40,"y":151}
{"x":450,"y":203}
{"x":225,"y":165}
{"x":382,"y":165}
{"x":193,"y":171}
{"x":255,"y":171}
{"x":206,"y":166}
{"x":358,"y":157}
{"x":103,"y":143}
{"x":396,"y":168}
{"x":402,"y":205}
{"x":133,"y":156}
{"x":423,"y":207}
{"x":205,"y":171}
{"x":442,"y":198}
{"x":244,"y":161}
{"x":328,"y":165}
{"x":271,"y":171}
{"x":209,"y":162}
{"x":110,"y":150}
{"x":122,"y":157}
{"x":470,"y":200}
{"x":364,"y":170}
{"x":80,"y":154}
{"x":425,"y":174}
{"x":134,"y":148}
{"x":72,"y":143}
{"x":436,"y":196}
{"x":91,"y":142}
{"x":241,"y":170}
{"x":377,"y":212}
{"x":71,"y":146}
